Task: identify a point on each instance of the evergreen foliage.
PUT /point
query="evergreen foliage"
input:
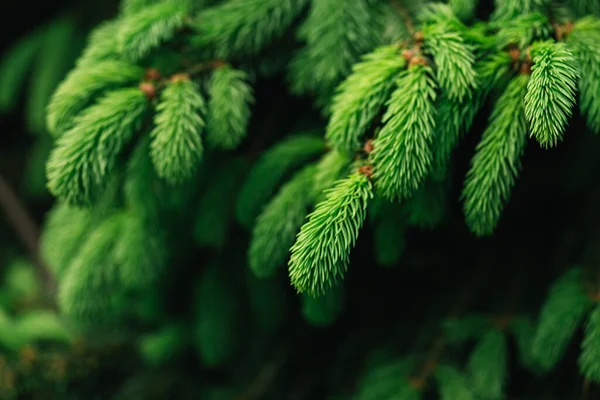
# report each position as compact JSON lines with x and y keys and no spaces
{"x":228,"y":107}
{"x":198,"y":146}
{"x":176,"y":147}
{"x":319,"y":258}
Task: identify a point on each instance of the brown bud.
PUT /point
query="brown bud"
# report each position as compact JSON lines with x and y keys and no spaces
{"x":148,"y":89}
{"x":407,"y":54}
{"x":418,"y":37}
{"x":368,"y":147}
{"x":417,"y":60}
{"x":152,"y":74}
{"x":525,"y":68}
{"x":514,"y":54}
{"x":366,"y":170}
{"x":180,"y":78}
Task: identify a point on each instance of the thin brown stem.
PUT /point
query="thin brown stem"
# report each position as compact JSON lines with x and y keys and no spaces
{"x":408,"y":21}
{"x":28,"y":233}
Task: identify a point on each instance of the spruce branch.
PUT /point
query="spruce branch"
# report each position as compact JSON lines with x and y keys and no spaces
{"x":320,"y":256}
{"x":230,"y":98}
{"x":497,"y":160}
{"x":244,"y":27}
{"x":81,"y":85}
{"x":550,"y":92}
{"x":276,"y":227}
{"x":564,"y":309}
{"x":142,"y":32}
{"x":101,"y":44}
{"x":81,"y":163}
{"x":267,"y":173}
{"x":402,"y":151}
{"x":337,"y":33}
{"x":360,"y":97}
{"x":176,"y":147}
{"x":584,"y":43}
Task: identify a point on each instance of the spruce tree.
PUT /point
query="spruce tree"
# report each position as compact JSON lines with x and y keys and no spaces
{"x":304,"y":199}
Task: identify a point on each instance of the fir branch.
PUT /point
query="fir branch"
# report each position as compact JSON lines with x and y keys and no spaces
{"x":402,"y":152}
{"x":245,"y":26}
{"x":452,"y":384}
{"x":230,"y":98}
{"x":15,"y":65}
{"x":332,"y":166}
{"x":280,"y":221}
{"x":523,"y":30}
{"x":360,"y":97}
{"x":269,"y":170}
{"x":584,"y":42}
{"x":563,"y":311}
{"x":140,"y":33}
{"x":176,"y":148}
{"x":320,"y":255}
{"x":87,"y":291}
{"x":589,"y":359}
{"x":550,"y":92}
{"x":488,"y":366}
{"x":81,"y":85}
{"x":453,"y":57}
{"x":337,"y":33}
{"x":323,"y":310}
{"x":506,"y":10}
{"x":497,"y":160}
{"x":454,"y":118}
{"x":81,"y":163}
{"x":101,"y":44}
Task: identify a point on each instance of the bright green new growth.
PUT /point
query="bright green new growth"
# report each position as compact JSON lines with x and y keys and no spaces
{"x":550,"y":92}
{"x":217,"y":318}
{"x":268,"y":171}
{"x":320,"y":255}
{"x":14,"y":68}
{"x":562,"y":313}
{"x":333,"y":166}
{"x":80,"y":165}
{"x":245,"y":26}
{"x":176,"y":147}
{"x":488,"y":366}
{"x":86,"y":292}
{"x":142,"y":32}
{"x":497,"y":160}
{"x":101,"y":44}
{"x":589,"y":359}
{"x":360,"y":97}
{"x":276,"y":227}
{"x":323,"y":310}
{"x":584,"y":42}
{"x":82,"y":85}
{"x":402,"y":152}
{"x":452,"y":385}
{"x":230,"y":97}
{"x":454,"y":118}
{"x":454,"y":60}
{"x":337,"y":33}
